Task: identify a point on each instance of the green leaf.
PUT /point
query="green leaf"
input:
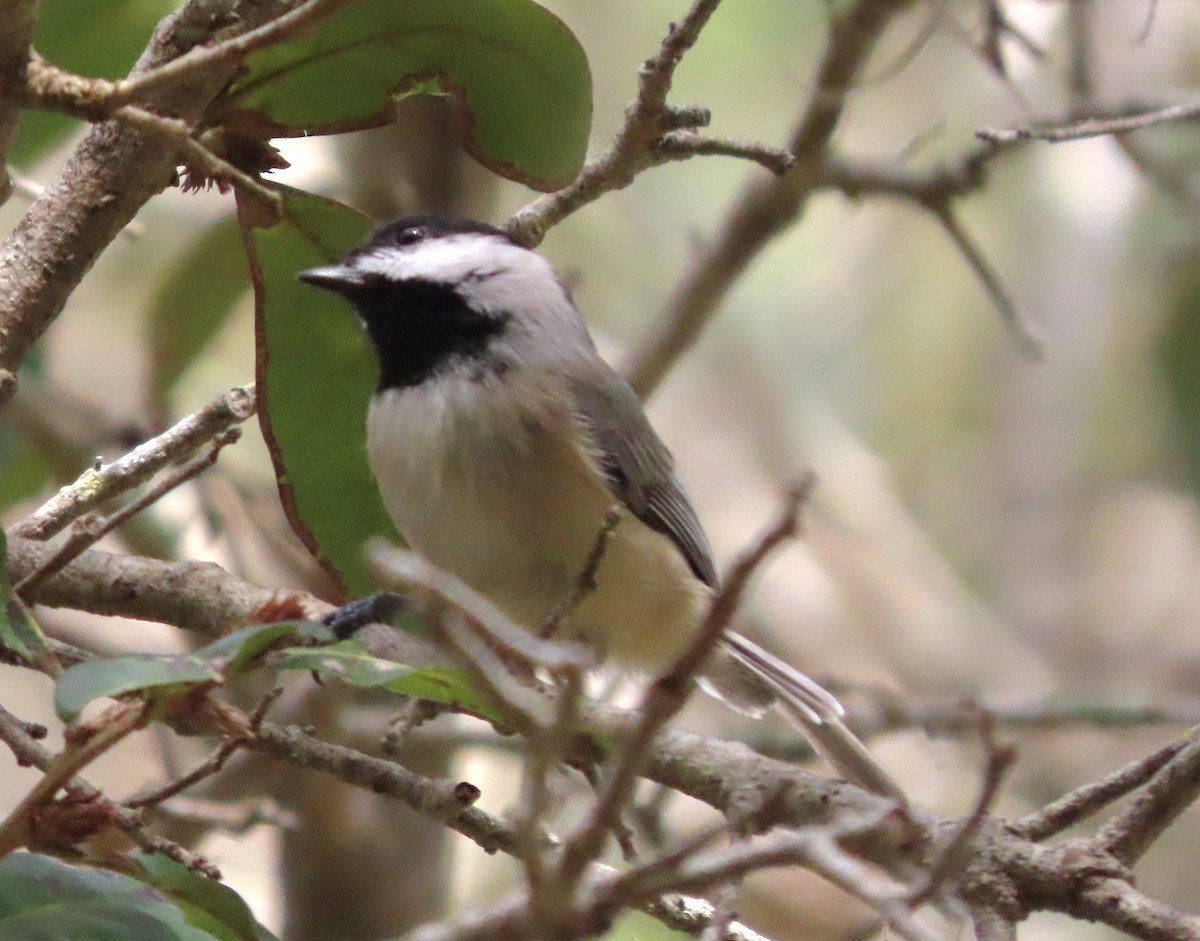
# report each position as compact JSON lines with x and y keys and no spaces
{"x":206,"y":903}
{"x":235,"y":651}
{"x":90,"y":37}
{"x":115,"y":676}
{"x":19,"y":632}
{"x":25,"y":470}
{"x":45,"y":899}
{"x":315,"y":374}
{"x":518,"y":76}
{"x":350,"y":663}
{"x":193,"y":302}
{"x":1179,"y":360}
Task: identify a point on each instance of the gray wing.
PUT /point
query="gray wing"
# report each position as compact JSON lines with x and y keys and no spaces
{"x":637,"y":465}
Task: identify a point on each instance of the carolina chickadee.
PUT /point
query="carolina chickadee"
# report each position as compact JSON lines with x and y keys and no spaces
{"x":500,"y":439}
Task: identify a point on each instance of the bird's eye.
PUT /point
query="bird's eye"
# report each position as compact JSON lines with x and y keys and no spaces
{"x":410,"y":235}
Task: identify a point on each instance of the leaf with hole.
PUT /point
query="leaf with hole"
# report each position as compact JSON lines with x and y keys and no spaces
{"x":519,"y":79}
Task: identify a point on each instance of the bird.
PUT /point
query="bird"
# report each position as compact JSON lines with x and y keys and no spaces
{"x":500,"y":439}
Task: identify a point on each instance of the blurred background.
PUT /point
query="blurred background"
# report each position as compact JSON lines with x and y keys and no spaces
{"x":988,"y":525}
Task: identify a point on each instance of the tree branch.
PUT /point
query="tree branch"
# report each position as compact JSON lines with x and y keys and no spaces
{"x":653,"y":133}
{"x":767,"y":205}
{"x":1080,"y":128}
{"x":97,"y":485}
{"x":195,"y":596}
{"x":108,"y":178}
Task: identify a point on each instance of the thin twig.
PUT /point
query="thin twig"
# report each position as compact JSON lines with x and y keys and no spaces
{"x":1082,"y":128}
{"x":211,"y":765}
{"x":766,"y":206}
{"x":91,"y":529}
{"x":1023,"y":331}
{"x":998,"y":760}
{"x":666,"y":695}
{"x":48,"y":87}
{"x":585,"y":582}
{"x":96,"y":486}
{"x":681,"y":145}
{"x":1091,"y":798}
{"x":646,"y":137}
{"x":1168,"y":794}
{"x":126,"y":719}
{"x":196,"y":156}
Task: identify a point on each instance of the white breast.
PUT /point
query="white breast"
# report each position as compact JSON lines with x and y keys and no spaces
{"x":504,"y":498}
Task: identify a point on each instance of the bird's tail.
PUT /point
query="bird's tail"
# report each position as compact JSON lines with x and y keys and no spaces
{"x":751,"y":680}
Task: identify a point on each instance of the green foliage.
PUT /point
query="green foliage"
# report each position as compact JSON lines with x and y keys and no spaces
{"x":25,"y":469}
{"x":162,"y":677}
{"x":315,"y":374}
{"x":45,"y":899}
{"x":19,"y":632}
{"x":115,"y":676}
{"x":350,"y":663}
{"x":1179,"y":359}
{"x":194,"y":301}
{"x":519,"y":78}
{"x":206,"y":903}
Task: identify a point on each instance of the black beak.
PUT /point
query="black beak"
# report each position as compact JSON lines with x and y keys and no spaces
{"x":341,"y":279}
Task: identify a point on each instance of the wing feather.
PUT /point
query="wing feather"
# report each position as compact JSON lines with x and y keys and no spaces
{"x":637,"y":466}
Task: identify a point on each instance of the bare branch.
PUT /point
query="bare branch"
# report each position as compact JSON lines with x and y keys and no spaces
{"x":1168,"y":794}
{"x":1093,"y":797}
{"x":96,"y":486}
{"x":1080,"y":128}
{"x":767,"y":205}
{"x":91,"y":529}
{"x":680,"y":145}
{"x":195,"y":596}
{"x":652,"y":133}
